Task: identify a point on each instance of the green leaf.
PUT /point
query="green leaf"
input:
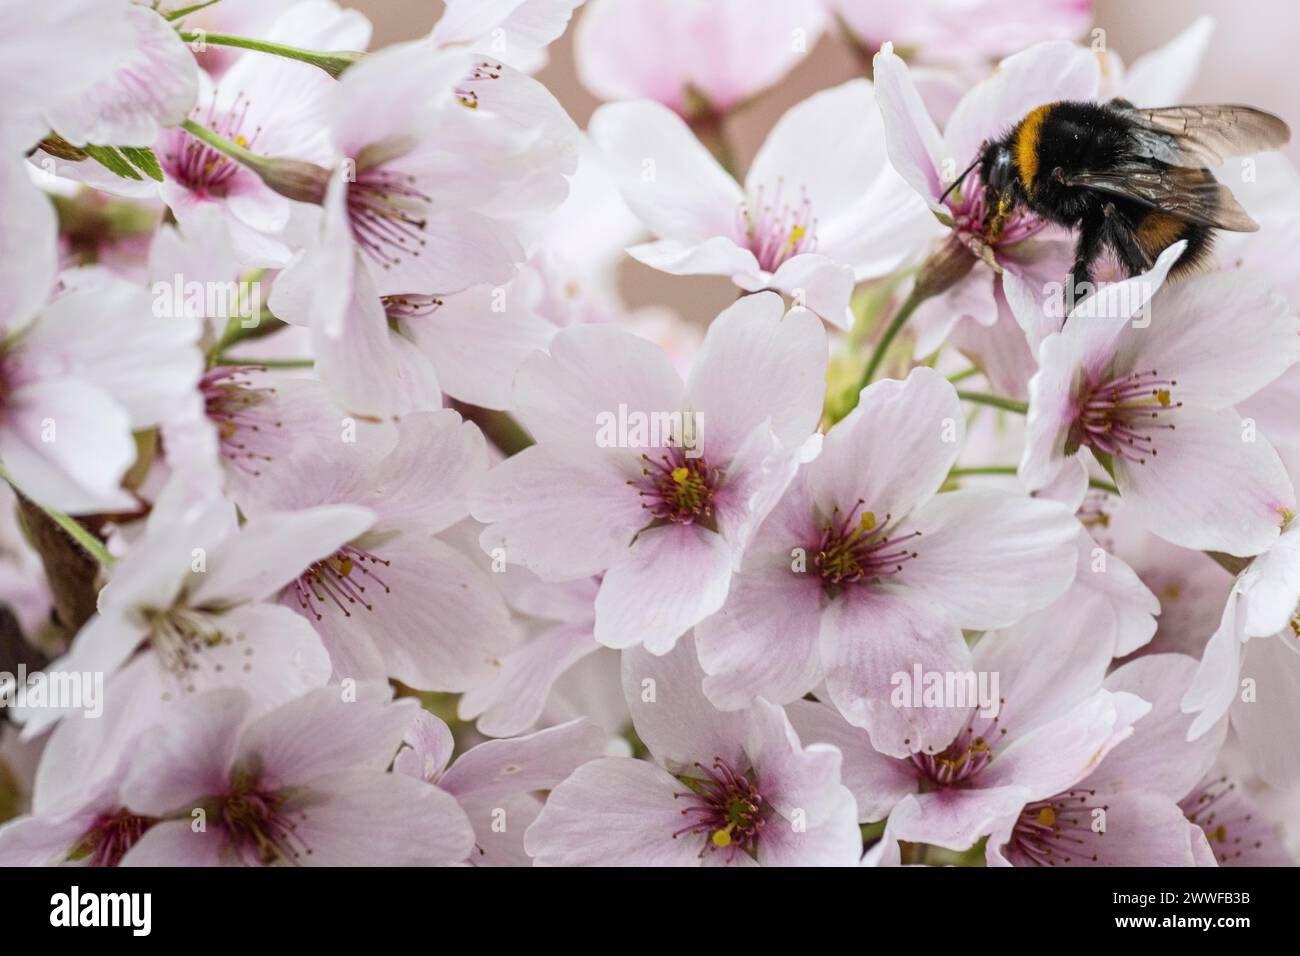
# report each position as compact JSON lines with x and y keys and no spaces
{"x":143,"y":159}
{"x":112,"y":160}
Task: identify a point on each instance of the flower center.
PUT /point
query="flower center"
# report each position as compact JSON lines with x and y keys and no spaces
{"x":1123,"y":416}
{"x":776,"y":230}
{"x":726,"y":809}
{"x":1210,"y":808}
{"x":678,"y":488}
{"x":110,"y":836}
{"x":978,"y":214}
{"x":342,"y":579}
{"x":179,"y":635}
{"x":386,"y":212}
{"x":259,"y":827}
{"x":856,"y":547}
{"x":197,"y":165}
{"x":958,"y":764}
{"x":230,"y":400}
{"x":1055,"y":831}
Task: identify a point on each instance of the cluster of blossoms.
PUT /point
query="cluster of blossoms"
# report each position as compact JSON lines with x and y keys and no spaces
{"x":353,"y":517}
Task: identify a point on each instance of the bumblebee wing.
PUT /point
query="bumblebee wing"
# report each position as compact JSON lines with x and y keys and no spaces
{"x":1193,"y":195}
{"x":1204,"y":135}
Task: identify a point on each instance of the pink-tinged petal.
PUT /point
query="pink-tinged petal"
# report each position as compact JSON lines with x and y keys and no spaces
{"x":919,"y":421}
{"x":1140,"y":829}
{"x":528,"y":25}
{"x":876,"y":781}
{"x":477,"y":338}
{"x":1215,"y":685}
{"x":428,"y":748}
{"x":666,"y":176}
{"x":955,"y":819}
{"x":915,"y":146}
{"x":438,"y":623}
{"x":1165,"y":74}
{"x":829,"y":145}
{"x":28,"y":256}
{"x":988,"y":557}
{"x":1032,"y":278}
{"x":515,"y":698}
{"x":370,"y":371}
{"x":415,"y":73}
{"x":1120,"y":604}
{"x":763,"y":643}
{"x":818,"y":283}
{"x":758,"y":364}
{"x":835,"y":841}
{"x":1046,"y":664}
{"x":424,"y":483}
{"x":755,"y":481}
{"x":613,"y":812}
{"x":175,"y":843}
{"x":671,"y":714}
{"x":1274,"y":666}
{"x":717,"y":256}
{"x":329,"y":730}
{"x":872,"y":638}
{"x":1213,"y":486}
{"x":667,"y":581}
{"x":271,"y":550}
{"x":459,"y":248}
{"x":360,"y":817}
{"x":559,"y":516}
{"x":154,"y":85}
{"x":190,"y":755}
{"x":498,"y":768}
{"x":37,"y":841}
{"x":67,"y":444}
{"x":1270,"y":586}
{"x":1059,"y":753}
{"x":314,"y":290}
{"x":499,"y":827}
{"x":1046,"y":71}
{"x":726,"y":50}
{"x":1158,"y":757}
{"x":972,"y":299}
{"x":1000,"y":351}
{"x":1185,"y":339}
{"x":145,"y":361}
{"x":1051,"y":414}
{"x":590,"y":372}
{"x":796,"y":779}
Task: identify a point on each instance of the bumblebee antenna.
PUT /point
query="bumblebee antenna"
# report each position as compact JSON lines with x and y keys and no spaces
{"x":965,"y":172}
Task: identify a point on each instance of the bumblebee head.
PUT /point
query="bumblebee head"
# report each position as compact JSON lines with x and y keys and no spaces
{"x":996,"y":168}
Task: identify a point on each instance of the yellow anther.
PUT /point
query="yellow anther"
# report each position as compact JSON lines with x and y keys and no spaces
{"x":1047,"y":816}
{"x":796,"y":234}
{"x":680,"y":474}
{"x":241,"y":140}
{"x":868,"y":521}
{"x":722,"y":838}
{"x":1162,"y":396}
{"x":1220,"y":833}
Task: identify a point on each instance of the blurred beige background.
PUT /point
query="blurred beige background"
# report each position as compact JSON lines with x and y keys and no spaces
{"x":1253,"y":58}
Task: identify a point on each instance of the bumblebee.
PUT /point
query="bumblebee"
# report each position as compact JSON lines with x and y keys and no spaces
{"x":1130,"y":180}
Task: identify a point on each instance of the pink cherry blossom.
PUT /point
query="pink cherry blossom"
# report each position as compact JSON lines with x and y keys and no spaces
{"x":727,"y":789}
{"x":863,"y":570}
{"x":819,"y":210}
{"x":662,"y":516}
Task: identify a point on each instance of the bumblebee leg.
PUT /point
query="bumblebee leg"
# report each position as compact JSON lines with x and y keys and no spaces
{"x":1079,"y":282}
{"x":1122,"y":237}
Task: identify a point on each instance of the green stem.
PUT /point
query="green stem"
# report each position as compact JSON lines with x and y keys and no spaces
{"x":964,"y":374}
{"x":264,"y":363}
{"x":332,"y":63}
{"x":904,"y":313}
{"x":997,"y":401}
{"x":89,"y":543}
{"x":173,"y":15}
